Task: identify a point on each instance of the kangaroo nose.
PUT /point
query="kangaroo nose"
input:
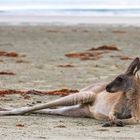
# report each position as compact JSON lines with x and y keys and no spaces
{"x":108,"y":88}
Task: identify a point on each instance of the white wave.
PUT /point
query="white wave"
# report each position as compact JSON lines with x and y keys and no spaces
{"x":67,"y":6}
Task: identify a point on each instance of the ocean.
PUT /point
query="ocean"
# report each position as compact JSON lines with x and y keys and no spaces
{"x":73,"y":12}
{"x":130,"y":16}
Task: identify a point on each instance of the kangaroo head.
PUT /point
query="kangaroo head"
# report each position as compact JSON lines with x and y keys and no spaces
{"x":125,"y":82}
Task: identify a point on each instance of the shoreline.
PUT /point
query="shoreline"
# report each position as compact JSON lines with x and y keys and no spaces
{"x":70,"y":20}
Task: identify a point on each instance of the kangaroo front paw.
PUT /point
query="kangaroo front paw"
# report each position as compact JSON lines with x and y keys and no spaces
{"x":119,"y":123}
{"x":112,"y":117}
{"x":108,"y":124}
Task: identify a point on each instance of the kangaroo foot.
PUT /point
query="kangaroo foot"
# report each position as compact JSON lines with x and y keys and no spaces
{"x":117,"y":123}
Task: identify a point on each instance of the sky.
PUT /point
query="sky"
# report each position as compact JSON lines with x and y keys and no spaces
{"x":61,"y":4}
{"x":123,"y":2}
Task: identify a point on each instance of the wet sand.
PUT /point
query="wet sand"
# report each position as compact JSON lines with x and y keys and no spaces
{"x":41,"y":49}
{"x":69,"y":19}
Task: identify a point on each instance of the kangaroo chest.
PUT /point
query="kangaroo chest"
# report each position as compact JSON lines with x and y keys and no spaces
{"x":103,"y":104}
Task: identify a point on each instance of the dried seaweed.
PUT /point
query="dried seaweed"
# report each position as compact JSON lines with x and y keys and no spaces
{"x":126,"y":58}
{"x":123,"y":57}
{"x":105,"y":47}
{"x":93,"y":53}
{"x":62,"y":92}
{"x":66,"y":65}
{"x":55,"y":31}
{"x":6,"y":73}
{"x":19,"y":125}
{"x":119,"y":32}
{"x":21,"y":61}
{"x":61,"y":126}
{"x":85,"y":55}
{"x":8,"y":54}
{"x":36,"y":92}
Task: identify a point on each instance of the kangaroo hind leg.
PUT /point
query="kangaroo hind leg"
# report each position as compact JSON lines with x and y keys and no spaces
{"x":70,"y":111}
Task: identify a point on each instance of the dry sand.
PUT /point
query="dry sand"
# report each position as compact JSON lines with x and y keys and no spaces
{"x":45,"y":48}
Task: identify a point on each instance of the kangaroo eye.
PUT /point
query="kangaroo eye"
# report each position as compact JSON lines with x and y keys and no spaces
{"x":120,"y":79}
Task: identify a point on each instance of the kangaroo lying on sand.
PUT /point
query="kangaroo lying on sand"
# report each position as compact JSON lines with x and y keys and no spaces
{"x":117,"y":103}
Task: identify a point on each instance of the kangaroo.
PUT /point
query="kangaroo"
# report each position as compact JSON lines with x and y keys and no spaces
{"x":117,"y":103}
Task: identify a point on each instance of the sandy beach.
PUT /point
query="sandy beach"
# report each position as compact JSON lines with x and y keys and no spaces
{"x":41,"y":53}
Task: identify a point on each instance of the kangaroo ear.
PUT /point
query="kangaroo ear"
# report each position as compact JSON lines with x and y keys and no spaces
{"x":133,"y":67}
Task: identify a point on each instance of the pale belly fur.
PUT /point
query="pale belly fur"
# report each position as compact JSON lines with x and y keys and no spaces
{"x":103,"y":104}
